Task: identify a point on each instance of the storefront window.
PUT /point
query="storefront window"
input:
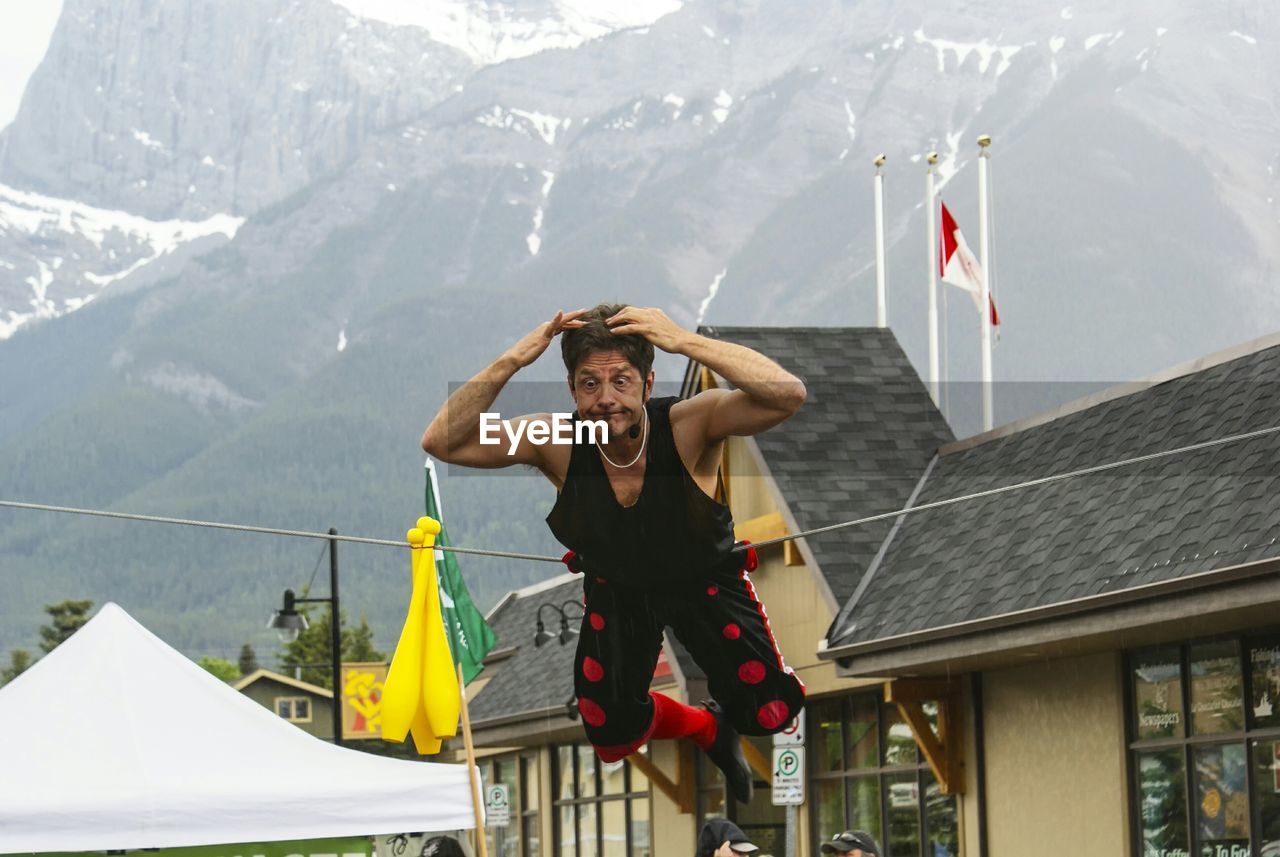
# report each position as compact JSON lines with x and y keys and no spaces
{"x":1266,"y":794}
{"x":519,"y":774}
{"x":1217,"y":700}
{"x":530,"y":831}
{"x":1157,"y":692}
{"x":1222,"y":799}
{"x":1264,"y":663}
{"x":883,"y":786}
{"x":1163,"y":803}
{"x":602,"y":808}
{"x":1214,"y":791}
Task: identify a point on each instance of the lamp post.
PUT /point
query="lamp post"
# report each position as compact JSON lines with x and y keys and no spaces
{"x":288,"y":623}
{"x":542,"y":635}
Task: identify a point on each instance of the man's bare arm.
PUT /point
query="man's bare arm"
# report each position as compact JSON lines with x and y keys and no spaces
{"x":766,"y":393}
{"x":454,"y":433}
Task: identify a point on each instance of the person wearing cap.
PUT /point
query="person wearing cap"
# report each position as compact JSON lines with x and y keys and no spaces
{"x":854,"y":843}
{"x":722,"y":838}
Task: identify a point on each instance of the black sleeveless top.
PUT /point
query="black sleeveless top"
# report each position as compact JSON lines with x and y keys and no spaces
{"x":674,"y":533}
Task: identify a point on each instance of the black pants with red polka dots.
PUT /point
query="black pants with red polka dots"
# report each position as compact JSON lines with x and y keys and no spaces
{"x":722,"y":624}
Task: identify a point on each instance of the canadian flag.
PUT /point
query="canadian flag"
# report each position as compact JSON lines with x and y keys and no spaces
{"x":958,"y":266}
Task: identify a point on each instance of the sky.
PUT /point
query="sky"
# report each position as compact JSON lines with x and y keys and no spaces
{"x":24,"y":37}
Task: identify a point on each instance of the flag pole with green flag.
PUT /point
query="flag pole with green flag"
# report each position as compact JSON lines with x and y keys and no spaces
{"x":470,"y":637}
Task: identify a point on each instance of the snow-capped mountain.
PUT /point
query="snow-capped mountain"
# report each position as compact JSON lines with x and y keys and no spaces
{"x":417,"y":189}
{"x":77,"y":250}
{"x":493,"y":32}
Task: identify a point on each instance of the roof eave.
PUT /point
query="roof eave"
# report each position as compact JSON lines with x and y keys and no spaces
{"x":1077,"y":607}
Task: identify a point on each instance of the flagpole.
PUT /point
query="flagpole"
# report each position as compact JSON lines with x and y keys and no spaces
{"x":984,"y":302}
{"x":882,"y":315}
{"x":477,"y":802}
{"x":932,"y":230}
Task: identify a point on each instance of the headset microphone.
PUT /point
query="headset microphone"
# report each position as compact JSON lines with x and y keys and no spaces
{"x":634,"y":431}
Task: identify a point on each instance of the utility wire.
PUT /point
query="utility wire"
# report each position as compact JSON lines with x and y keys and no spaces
{"x":271,"y":531}
{"x":1045,"y":480}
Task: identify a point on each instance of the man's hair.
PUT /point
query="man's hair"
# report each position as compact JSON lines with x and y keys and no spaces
{"x":594,"y":336}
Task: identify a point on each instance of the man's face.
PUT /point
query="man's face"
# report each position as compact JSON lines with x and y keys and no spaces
{"x":607,"y":387}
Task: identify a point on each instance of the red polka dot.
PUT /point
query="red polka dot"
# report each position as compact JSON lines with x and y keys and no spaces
{"x":597,"y":621}
{"x":731,"y":631}
{"x":773,"y":714}
{"x":712,"y":590}
{"x":592,"y":669}
{"x":592,"y":713}
{"x":751,"y":672}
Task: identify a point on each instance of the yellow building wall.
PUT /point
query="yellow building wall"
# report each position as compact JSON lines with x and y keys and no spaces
{"x":1055,"y":758}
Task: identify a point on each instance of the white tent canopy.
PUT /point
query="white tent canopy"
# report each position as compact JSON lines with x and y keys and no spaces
{"x":115,"y":741}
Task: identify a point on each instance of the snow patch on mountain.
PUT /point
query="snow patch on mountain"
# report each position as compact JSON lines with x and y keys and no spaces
{"x":985,"y":51}
{"x":66,"y":223}
{"x":491,"y":32}
{"x":527,"y":122}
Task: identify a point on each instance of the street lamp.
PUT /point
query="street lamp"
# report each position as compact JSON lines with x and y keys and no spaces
{"x":567,"y":633}
{"x":288,"y":623}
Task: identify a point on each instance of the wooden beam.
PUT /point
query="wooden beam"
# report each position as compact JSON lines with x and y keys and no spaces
{"x":656,"y":776}
{"x":944,"y":749}
{"x":761,"y":765}
{"x":929,"y":745}
{"x":768,"y":526}
{"x":686,"y":778}
{"x":791,"y":554}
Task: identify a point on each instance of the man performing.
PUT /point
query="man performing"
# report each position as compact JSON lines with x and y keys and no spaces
{"x":637,"y":514}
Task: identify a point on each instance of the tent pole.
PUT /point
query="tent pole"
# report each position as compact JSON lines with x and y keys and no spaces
{"x":482,"y":846}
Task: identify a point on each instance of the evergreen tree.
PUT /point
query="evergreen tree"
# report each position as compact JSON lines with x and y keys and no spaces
{"x":248,"y":660}
{"x":311,"y":652}
{"x":19,"y":661}
{"x":66,"y":618}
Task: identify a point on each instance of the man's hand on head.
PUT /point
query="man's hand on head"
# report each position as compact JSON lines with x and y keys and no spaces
{"x":531,"y":346}
{"x":653,"y":325}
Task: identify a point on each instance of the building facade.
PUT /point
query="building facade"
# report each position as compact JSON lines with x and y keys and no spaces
{"x":1094,"y":659}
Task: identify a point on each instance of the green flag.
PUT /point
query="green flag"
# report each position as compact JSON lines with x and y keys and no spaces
{"x":470,"y":637}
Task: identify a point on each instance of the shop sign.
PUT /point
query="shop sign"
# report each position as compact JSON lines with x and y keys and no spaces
{"x":497,"y":806}
{"x":788,"y":776}
{"x":362,"y":700}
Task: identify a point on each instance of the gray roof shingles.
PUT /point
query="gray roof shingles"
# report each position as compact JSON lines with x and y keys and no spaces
{"x":858,"y":446}
{"x":1087,"y":535}
{"x":532,"y":678}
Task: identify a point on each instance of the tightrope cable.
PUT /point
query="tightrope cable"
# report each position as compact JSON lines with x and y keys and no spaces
{"x":924,"y":507}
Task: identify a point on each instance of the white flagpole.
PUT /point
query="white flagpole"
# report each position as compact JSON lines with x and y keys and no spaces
{"x":882,"y":315}
{"x":930,"y":207}
{"x":988,"y":417}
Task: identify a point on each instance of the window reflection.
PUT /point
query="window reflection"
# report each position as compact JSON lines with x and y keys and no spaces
{"x":1217,"y":697}
{"x":1157,"y":692}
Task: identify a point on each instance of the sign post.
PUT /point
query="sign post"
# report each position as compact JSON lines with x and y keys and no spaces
{"x":497,"y":806}
{"x":788,"y":776}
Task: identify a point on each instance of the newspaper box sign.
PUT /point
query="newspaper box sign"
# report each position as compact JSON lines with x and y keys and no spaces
{"x":788,"y":776}
{"x":497,"y":806}
{"x":792,"y":736}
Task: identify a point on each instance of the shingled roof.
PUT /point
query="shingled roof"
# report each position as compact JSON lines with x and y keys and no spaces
{"x":859,"y":445}
{"x":1047,"y":545}
{"x":532,"y":679}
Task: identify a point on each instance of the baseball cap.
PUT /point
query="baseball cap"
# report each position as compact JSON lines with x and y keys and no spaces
{"x":743,"y":847}
{"x":843,"y":843}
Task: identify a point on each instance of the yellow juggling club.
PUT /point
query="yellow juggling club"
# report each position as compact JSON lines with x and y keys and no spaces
{"x":421,"y":695}
{"x":440,"y":694}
